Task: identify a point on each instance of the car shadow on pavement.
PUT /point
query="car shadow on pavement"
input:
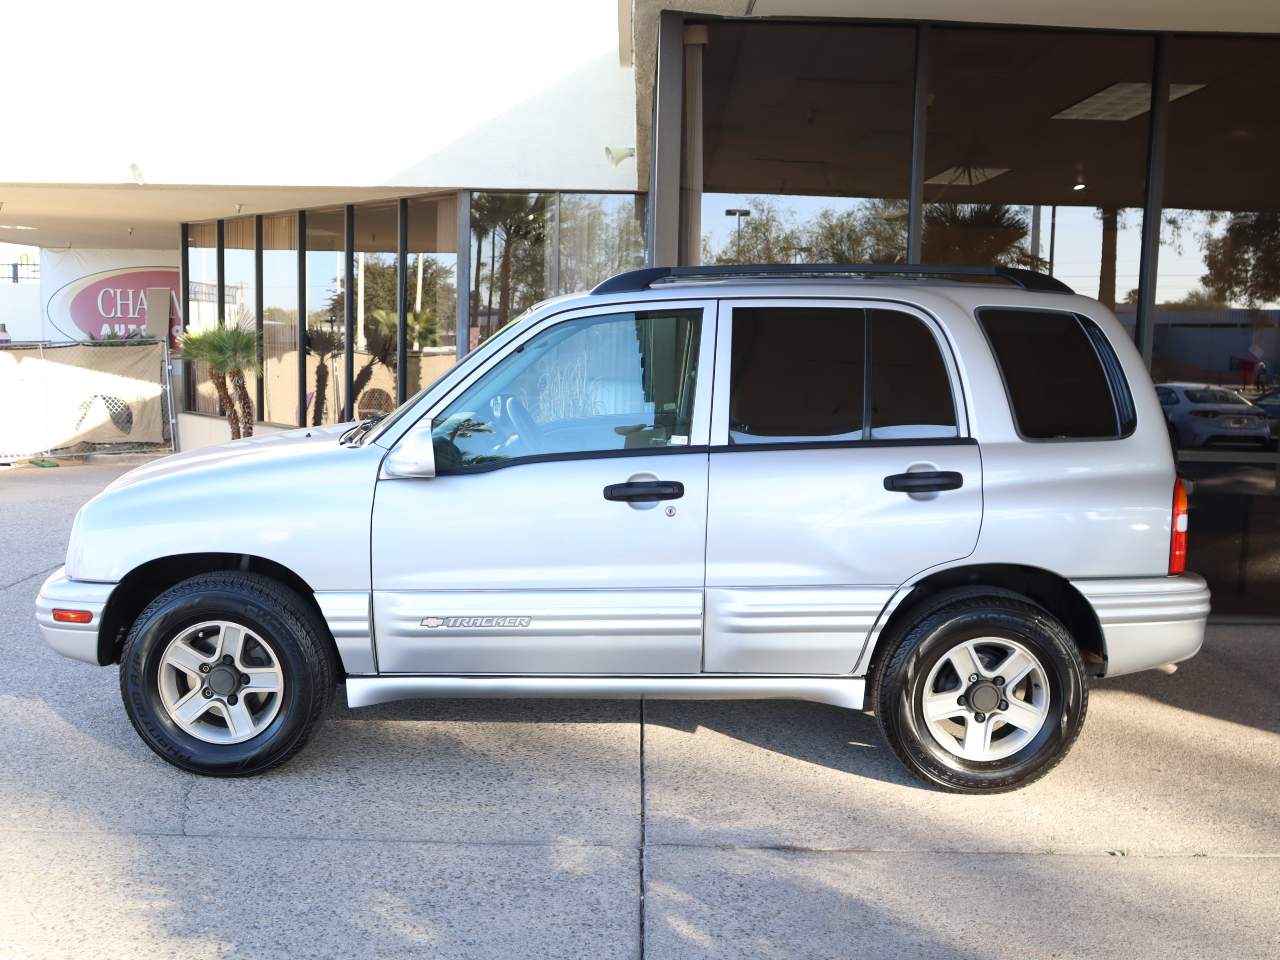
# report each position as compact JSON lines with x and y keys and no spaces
{"x":1235,"y":677}
{"x":840,"y":740}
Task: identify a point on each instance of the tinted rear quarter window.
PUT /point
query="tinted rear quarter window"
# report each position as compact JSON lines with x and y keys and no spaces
{"x":1058,"y":386}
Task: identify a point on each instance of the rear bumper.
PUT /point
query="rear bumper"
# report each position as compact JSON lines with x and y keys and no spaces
{"x":79,"y":641}
{"x":1148,"y":622}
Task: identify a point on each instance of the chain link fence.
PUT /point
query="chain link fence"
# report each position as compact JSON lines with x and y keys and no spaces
{"x":73,"y":399}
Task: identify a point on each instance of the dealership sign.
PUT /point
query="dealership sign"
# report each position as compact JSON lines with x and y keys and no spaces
{"x":102,"y":294}
{"x":117,"y":303}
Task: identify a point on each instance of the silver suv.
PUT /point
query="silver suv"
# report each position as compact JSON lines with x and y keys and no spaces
{"x":952,"y":502}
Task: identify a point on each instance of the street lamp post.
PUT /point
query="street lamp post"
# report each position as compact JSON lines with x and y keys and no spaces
{"x":740,"y":214}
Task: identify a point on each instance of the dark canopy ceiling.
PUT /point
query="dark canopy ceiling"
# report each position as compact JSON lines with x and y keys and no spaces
{"x":825,"y":109}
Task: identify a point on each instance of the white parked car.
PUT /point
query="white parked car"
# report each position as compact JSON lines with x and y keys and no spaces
{"x":951,"y":502}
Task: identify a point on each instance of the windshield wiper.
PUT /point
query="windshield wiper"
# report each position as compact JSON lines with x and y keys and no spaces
{"x":353,"y":434}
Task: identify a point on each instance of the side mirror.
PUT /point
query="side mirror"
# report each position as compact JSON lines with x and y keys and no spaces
{"x":413,"y":456}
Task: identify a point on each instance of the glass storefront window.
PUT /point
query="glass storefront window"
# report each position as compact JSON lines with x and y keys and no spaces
{"x":1216,"y":335}
{"x":1035,"y":153}
{"x":239,"y":287}
{"x":509,"y":258}
{"x":325,"y":316}
{"x":597,"y":236}
{"x":280,"y":319}
{"x":806,"y":144}
{"x":202,"y":308}
{"x":526,"y":247}
{"x":431,"y":291}
{"x":374,"y":374}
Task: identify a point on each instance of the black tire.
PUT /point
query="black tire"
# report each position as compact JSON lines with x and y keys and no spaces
{"x":897,"y":688}
{"x":275,"y":613}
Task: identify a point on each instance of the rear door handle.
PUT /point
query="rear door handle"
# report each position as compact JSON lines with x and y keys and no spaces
{"x":925,"y":481}
{"x":645,"y":491}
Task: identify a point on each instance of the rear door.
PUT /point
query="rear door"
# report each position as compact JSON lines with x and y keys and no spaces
{"x":840,"y":467}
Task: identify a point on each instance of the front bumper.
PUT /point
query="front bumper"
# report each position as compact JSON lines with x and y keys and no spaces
{"x":1149,"y":621}
{"x":79,"y":641}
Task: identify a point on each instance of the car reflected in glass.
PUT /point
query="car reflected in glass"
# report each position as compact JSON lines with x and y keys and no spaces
{"x":1201,"y":415}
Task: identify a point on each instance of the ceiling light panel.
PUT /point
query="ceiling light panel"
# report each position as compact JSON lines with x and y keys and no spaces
{"x":1122,"y":101}
{"x":966,"y":176}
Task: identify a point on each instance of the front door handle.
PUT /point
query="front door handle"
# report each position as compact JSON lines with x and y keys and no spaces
{"x":925,"y":481}
{"x":645,"y":491}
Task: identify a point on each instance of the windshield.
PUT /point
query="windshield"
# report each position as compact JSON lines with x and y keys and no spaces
{"x":1216,"y":395}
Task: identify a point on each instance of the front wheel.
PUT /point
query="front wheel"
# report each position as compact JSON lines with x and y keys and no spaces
{"x":226,"y":674}
{"x":981,"y":694}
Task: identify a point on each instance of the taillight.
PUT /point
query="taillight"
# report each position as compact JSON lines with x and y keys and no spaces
{"x":1178,"y":539}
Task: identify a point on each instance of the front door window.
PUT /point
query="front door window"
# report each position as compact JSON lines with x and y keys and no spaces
{"x":620,"y":382}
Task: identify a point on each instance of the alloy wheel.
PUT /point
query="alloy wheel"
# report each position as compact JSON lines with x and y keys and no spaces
{"x":985,"y":699}
{"x":220,"y":682}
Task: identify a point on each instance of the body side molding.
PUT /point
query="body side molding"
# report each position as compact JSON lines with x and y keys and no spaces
{"x":837,"y":691}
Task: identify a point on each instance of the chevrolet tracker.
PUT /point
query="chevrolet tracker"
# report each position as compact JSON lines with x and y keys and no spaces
{"x":951,"y":502}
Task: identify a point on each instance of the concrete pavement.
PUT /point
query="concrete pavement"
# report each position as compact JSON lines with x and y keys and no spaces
{"x":514,"y":828}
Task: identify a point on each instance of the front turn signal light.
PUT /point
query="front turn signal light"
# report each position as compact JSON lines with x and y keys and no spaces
{"x":73,"y":616}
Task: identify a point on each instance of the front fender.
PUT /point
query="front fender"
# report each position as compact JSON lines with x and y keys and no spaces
{"x":304,"y":505}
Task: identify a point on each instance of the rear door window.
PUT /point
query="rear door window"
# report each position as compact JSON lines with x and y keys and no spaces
{"x":1061,"y":376}
{"x":796,"y":374}
{"x":836,"y":374}
{"x":910,"y":389}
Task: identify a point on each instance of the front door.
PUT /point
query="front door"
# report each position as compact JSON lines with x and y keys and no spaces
{"x":564,"y":532}
{"x":840,"y":467}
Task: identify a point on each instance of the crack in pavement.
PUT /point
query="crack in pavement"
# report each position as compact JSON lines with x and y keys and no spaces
{"x":31,"y":576}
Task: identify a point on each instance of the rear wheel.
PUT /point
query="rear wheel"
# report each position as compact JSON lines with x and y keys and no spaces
{"x":981,"y":695}
{"x":226,"y":674}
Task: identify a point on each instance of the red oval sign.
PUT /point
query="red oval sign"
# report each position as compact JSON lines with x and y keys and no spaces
{"x":117,"y":303}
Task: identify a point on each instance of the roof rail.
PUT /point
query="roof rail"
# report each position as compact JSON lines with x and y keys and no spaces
{"x":636,"y":281}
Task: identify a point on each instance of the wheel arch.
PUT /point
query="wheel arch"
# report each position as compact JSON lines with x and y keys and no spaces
{"x":1046,"y":589}
{"x":147,"y":581}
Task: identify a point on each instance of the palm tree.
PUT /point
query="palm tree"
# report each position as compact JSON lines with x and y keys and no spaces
{"x":974,"y":234}
{"x":228,"y":351}
{"x":324,"y":344}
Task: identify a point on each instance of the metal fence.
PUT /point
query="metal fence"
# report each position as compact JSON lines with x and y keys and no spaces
{"x":19,"y":273}
{"x":78,"y":398}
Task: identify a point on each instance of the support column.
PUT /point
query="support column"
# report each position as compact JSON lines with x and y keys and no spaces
{"x":220,"y":270}
{"x":463,"y":274}
{"x":257,"y":318}
{"x":402,"y":305}
{"x":690,"y":253}
{"x":919,"y":122}
{"x":662,"y":241}
{"x":349,"y":313}
{"x":1153,"y":205}
{"x":302,"y":318}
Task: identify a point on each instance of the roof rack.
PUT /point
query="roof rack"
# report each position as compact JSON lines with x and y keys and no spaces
{"x":636,"y":281}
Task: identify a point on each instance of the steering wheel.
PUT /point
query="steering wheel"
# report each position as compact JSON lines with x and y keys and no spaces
{"x":515,"y":413}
